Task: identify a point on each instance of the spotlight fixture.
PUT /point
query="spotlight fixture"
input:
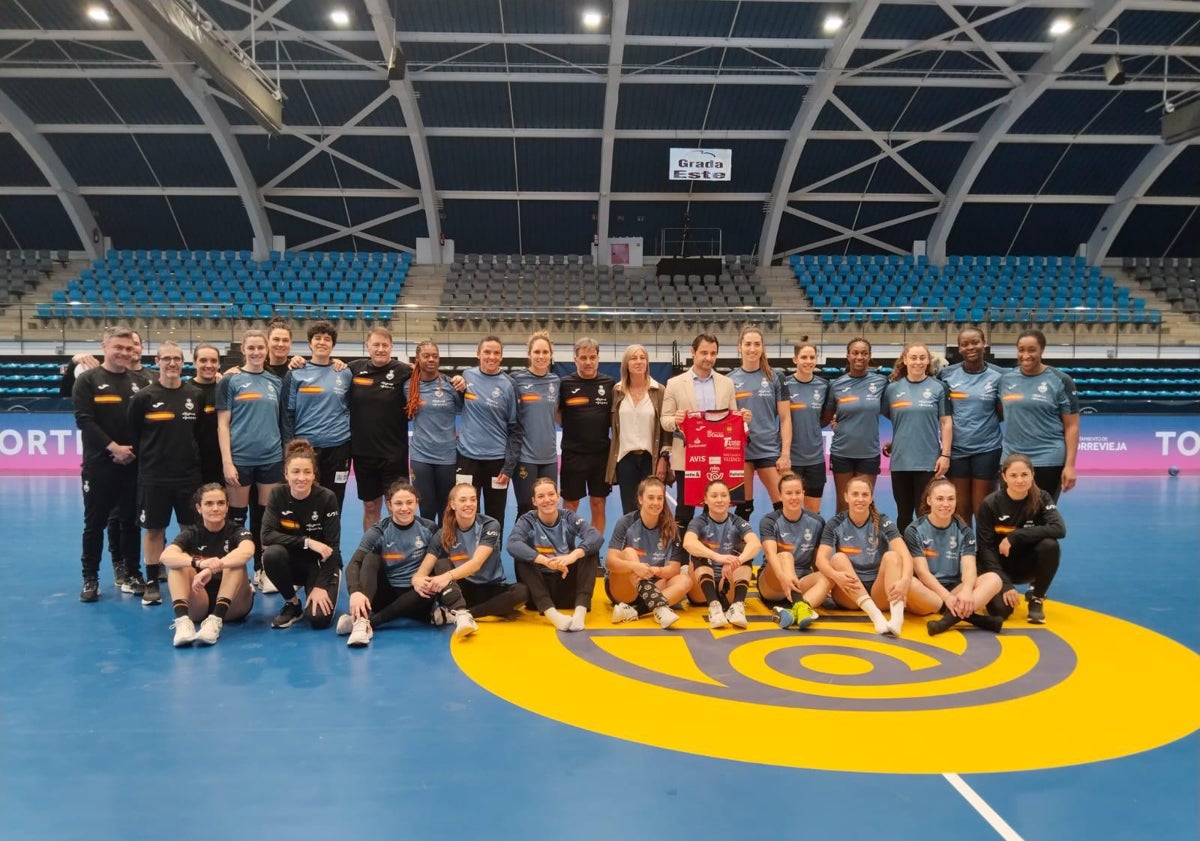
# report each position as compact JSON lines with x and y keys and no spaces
{"x":833,"y":23}
{"x":98,"y":14}
{"x":592,"y":19}
{"x":1061,"y":26}
{"x":340,"y":17}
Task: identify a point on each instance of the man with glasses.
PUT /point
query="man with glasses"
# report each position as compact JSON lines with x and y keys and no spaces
{"x":164,"y":422}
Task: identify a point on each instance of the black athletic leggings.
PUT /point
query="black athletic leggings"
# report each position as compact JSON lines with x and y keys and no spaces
{"x":1049,"y":479}
{"x":494,"y":501}
{"x":390,"y":603}
{"x":289,"y":569}
{"x":549,"y":589}
{"x":907,"y":487}
{"x":492,"y":599}
{"x":1036,"y":564}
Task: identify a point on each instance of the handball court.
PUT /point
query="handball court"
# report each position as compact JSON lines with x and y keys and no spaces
{"x":108,"y":732}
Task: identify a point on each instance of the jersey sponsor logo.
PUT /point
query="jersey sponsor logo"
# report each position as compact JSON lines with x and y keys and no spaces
{"x":392,"y":557}
{"x":101,"y":386}
{"x":1008,"y":398}
{"x":108,"y":398}
{"x":545,"y":550}
{"x":364,"y":381}
{"x":577,"y":401}
{"x":459,"y":557}
{"x":1004,"y":517}
{"x":290,"y":525}
{"x":849,"y":550}
{"x":311,"y":389}
{"x":531,"y":398}
{"x":248,"y":395}
{"x":901,"y":404}
{"x":849,"y":398}
{"x":468,"y":395}
{"x":931,"y":553}
{"x":1005,"y":529}
{"x":959,"y":395}
{"x":160,"y":416}
{"x":742,"y":395}
{"x":158,"y":405}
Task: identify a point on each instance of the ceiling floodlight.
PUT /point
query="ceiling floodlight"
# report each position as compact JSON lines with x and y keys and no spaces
{"x":340,"y":17}
{"x":592,"y":19}
{"x":1061,"y":26}
{"x":98,"y":14}
{"x":833,"y":23}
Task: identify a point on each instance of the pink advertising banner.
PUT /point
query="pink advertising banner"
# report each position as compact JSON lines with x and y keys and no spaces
{"x":1132,"y":445}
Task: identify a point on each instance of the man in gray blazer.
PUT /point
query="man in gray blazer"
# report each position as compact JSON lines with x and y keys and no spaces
{"x":698,"y":389}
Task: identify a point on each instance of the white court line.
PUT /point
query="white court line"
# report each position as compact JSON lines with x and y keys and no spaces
{"x":980,"y":805}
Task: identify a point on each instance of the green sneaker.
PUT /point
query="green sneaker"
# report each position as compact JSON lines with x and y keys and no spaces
{"x":804,"y":614}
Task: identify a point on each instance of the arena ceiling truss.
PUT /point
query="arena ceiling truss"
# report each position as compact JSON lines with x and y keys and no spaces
{"x":513,"y":127}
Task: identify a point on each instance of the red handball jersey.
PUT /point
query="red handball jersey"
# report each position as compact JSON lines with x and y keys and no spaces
{"x":715,"y":448}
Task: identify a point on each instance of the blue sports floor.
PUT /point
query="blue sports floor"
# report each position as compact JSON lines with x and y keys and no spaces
{"x":110,"y":733}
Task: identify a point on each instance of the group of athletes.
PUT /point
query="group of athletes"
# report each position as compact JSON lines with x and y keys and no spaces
{"x":253,"y":463}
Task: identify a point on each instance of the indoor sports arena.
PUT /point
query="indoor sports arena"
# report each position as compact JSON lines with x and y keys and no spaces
{"x":600,"y":405}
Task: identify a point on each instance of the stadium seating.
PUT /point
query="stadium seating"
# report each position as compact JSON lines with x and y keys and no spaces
{"x":179,"y":285}
{"x":968,"y":289}
{"x":1177,"y":281}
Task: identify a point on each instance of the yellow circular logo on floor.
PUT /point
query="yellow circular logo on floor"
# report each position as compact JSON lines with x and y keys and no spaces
{"x":837,"y":696}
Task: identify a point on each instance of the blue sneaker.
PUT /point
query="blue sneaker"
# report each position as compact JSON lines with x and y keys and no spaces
{"x":784,"y":617}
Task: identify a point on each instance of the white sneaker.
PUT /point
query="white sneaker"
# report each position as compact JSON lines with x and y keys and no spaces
{"x":361,"y":633}
{"x":210,"y":630}
{"x":264,"y":583}
{"x":624,"y":613}
{"x":345,"y":624}
{"x":666,"y":617}
{"x":716,"y":616}
{"x":185,"y":631}
{"x":464,"y":624}
{"x":737,"y":615}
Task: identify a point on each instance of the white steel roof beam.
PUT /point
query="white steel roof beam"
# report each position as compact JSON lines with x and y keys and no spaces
{"x":1130,"y":195}
{"x":1049,"y":65}
{"x":612,"y":89}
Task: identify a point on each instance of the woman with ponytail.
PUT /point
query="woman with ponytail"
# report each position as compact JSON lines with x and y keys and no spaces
{"x":645,"y":560}
{"x":378,"y":432}
{"x":432,"y":406}
{"x":947,"y":577}
{"x":467,"y":552}
{"x":1019,"y":527}
{"x":865,"y":557}
{"x":764,"y":404}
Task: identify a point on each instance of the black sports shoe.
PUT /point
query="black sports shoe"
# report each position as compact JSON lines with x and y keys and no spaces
{"x":988,"y":623}
{"x":134,"y":584}
{"x":90,"y":591}
{"x":152,"y":595}
{"x":1037,"y":613}
{"x":289,"y":616}
{"x":940,"y":626}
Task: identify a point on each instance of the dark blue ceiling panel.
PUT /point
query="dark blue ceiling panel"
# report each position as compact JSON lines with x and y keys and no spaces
{"x":901,"y":235}
{"x":570,"y":165}
{"x":35,"y":222}
{"x":291,"y":116}
{"x":779,"y":20}
{"x":450,"y":16}
{"x":668,"y":17}
{"x":464,"y":163}
{"x":1159,"y":231}
{"x":1181,"y":178}
{"x":403,"y":230}
{"x":823,"y":158}
{"x":390,"y":155}
{"x":185,"y":160}
{"x":1018,"y":168}
{"x":907,"y":22}
{"x":833,"y":118}
{"x":987,"y":229}
{"x":1142,"y":26}
{"x":464,"y":104}
{"x":1092,"y":169}
{"x":18,"y":170}
{"x":643,"y":166}
{"x":138,"y":221}
{"x":462,"y":58}
{"x":482,"y":226}
{"x":540,"y":16}
{"x":1056,"y":228}
{"x":558,"y":57}
{"x":335,"y":102}
{"x":52,"y":16}
{"x":1022,"y":24}
{"x":298,"y":231}
{"x":268,"y":156}
{"x":558,"y":105}
{"x":319,"y":172}
{"x":388,"y":114}
{"x":880,"y":108}
{"x":148,"y":101}
{"x":102,"y":159}
{"x":557,"y":227}
{"x":58,"y":100}
{"x":887,"y":176}
{"x":774,"y":60}
{"x":662,"y":106}
{"x":766,"y":107}
{"x":937,"y":161}
{"x":931,"y":108}
{"x":213,"y":221}
{"x":297,"y":107}
{"x":1092,"y":112}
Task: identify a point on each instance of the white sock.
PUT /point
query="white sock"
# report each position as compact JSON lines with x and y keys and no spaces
{"x":563,"y":623}
{"x":577,"y":618}
{"x":896,"y":623}
{"x":868,"y":607}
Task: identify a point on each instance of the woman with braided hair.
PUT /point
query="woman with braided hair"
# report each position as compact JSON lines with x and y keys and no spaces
{"x":433,"y":403}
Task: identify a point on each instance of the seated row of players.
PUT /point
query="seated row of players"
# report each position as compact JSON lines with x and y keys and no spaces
{"x":407,"y":567}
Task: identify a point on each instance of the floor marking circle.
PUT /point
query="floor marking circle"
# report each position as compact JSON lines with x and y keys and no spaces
{"x":1084,"y":688}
